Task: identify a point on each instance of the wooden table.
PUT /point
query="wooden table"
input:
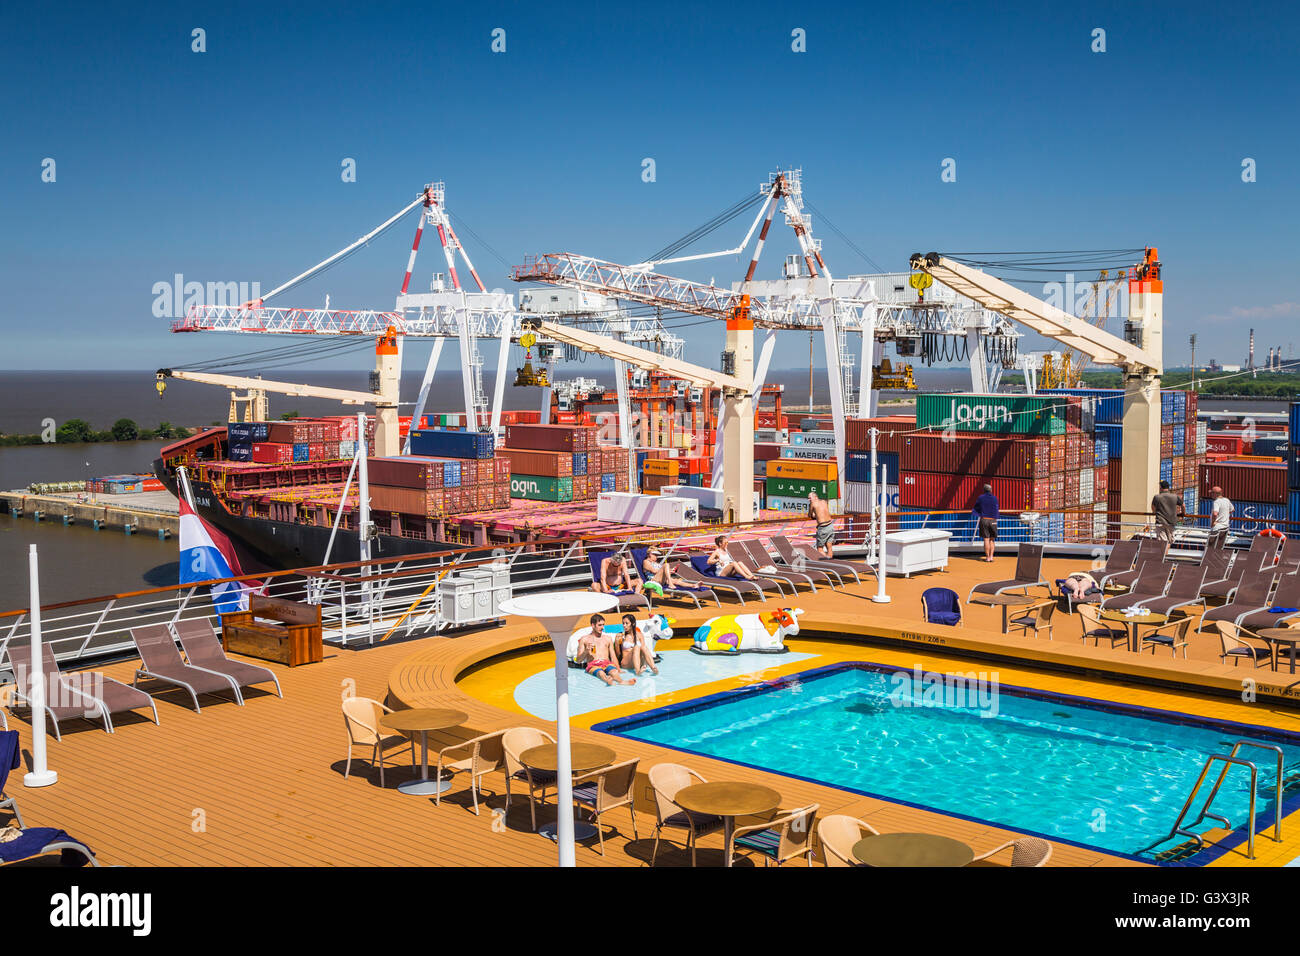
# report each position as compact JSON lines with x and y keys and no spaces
{"x":1117,"y":616}
{"x":728,"y":799}
{"x":420,"y":721}
{"x":583,"y":758}
{"x":1006,"y":601}
{"x":912,"y":849}
{"x":1278,"y":636}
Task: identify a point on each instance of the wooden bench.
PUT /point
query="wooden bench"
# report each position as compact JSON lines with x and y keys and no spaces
{"x":275,"y":630}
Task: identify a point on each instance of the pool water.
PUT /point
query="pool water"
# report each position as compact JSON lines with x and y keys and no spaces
{"x":1058,"y":766}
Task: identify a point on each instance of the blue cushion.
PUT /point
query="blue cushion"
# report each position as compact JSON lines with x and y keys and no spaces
{"x":586,"y":792}
{"x":764,"y":841}
{"x":33,"y":842}
{"x":944,"y":617}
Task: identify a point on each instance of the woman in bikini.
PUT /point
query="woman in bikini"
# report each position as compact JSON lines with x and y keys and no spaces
{"x":597,"y":653}
{"x":722,"y":564}
{"x":634,"y":650}
{"x":659,"y":570}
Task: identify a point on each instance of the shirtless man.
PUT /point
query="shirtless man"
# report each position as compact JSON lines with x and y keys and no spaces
{"x":613,"y":575}
{"x":820,"y":512}
{"x":596,"y":653}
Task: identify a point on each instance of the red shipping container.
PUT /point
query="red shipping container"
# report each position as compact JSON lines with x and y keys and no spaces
{"x":766,"y":451}
{"x":1219,"y":443}
{"x":272,"y":453}
{"x":316,"y":451}
{"x":546,"y":464}
{"x":1056,"y":491}
{"x":939,"y":492}
{"x":1255,"y":481}
{"x":1101,"y":482}
{"x":410,"y":501}
{"x":857,"y":431}
{"x":545,"y":437}
{"x":1073,"y":446}
{"x":1006,"y":457}
{"x":287,"y":433}
{"x":1071,"y":498}
{"x":407,"y":471}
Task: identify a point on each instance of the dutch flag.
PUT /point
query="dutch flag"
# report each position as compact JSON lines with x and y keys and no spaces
{"x":207,"y":554}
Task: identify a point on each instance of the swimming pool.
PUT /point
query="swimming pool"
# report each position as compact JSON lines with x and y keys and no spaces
{"x":1089,"y":772}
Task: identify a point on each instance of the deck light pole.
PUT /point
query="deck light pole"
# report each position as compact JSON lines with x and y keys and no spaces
{"x":41,"y":775}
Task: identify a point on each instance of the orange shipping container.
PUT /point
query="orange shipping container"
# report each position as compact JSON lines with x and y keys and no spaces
{"x":660,"y":466}
{"x":809,"y":469}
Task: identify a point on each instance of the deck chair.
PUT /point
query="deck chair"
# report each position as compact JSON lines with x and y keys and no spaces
{"x":1093,"y":595}
{"x":161,"y":660}
{"x":700,"y":571}
{"x":1251,"y":595}
{"x":1121,"y":558}
{"x":838,"y":834}
{"x":1150,"y":584}
{"x":1029,"y":574}
{"x":1284,"y":607}
{"x":1262,"y":554}
{"x":10,"y":759}
{"x":1233,"y":644}
{"x":607,"y":789}
{"x":1289,"y":560}
{"x":759,"y":558}
{"x":1214,"y":541}
{"x":740,"y":554}
{"x":1184,"y":590}
{"x":1172,"y":635}
{"x":486,"y":754}
{"x":940,"y":606}
{"x":1216,"y":562}
{"x":1038,"y":619}
{"x":1095,"y":629}
{"x":1149,"y":549}
{"x":39,"y":841}
{"x":779,"y":840}
{"x":666,"y":779}
{"x":204,"y":650}
{"x":1027,"y":851}
{"x":361,"y":716}
{"x":85,"y":694}
{"x":627,"y":600}
{"x":638,"y":561}
{"x":514,"y":742}
{"x":800,"y":554}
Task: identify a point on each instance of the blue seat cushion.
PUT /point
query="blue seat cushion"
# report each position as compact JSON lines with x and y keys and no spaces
{"x":586,"y":792}
{"x":34,"y":841}
{"x":944,"y":617}
{"x":764,"y":841}
{"x":702,"y":822}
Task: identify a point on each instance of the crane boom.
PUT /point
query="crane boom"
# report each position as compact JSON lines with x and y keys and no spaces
{"x":283,"y":388}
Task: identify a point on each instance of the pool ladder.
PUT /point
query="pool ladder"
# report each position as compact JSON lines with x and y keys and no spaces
{"x":1229,"y":760}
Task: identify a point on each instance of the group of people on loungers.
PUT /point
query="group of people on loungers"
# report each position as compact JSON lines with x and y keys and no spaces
{"x":607,"y":653}
{"x":615,"y":575}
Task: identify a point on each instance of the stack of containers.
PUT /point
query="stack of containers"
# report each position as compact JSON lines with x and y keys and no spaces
{"x":1293,"y":469}
{"x":791,"y":480}
{"x":474,"y":478}
{"x":1256,"y":489}
{"x":857,"y":458}
{"x":556,"y":462}
{"x":296,"y":440}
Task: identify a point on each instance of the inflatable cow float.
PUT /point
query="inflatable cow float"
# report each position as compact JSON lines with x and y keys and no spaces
{"x":763,"y":633}
{"x":654,"y":628}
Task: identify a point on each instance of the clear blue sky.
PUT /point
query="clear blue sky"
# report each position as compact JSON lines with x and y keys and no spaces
{"x":225,"y":165}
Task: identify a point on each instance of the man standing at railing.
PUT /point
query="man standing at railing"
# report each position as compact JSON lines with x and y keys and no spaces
{"x":986,"y":515}
{"x":1168,"y":509}
{"x":1220,"y":511}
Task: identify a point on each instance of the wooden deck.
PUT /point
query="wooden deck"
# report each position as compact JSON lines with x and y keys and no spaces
{"x":263,"y":784}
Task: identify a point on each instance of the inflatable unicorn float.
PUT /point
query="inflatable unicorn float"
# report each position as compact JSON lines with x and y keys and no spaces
{"x":763,"y":633}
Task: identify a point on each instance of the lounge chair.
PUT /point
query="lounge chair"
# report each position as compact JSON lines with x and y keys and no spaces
{"x":10,"y":759}
{"x":838,"y":834}
{"x":666,"y":779}
{"x":759,"y":559}
{"x":514,"y":742}
{"x":1184,"y":590}
{"x":740,"y":554}
{"x":84,"y":694}
{"x":940,"y":606}
{"x":1038,"y":618}
{"x":1216,"y":562}
{"x":1121,"y":558}
{"x":802,"y":555}
{"x":700,"y":571}
{"x":486,"y":754}
{"x":1027,"y":851}
{"x":1151,"y":583}
{"x":161,"y":660}
{"x":1250,"y":596}
{"x":1172,"y":635}
{"x":627,"y":600}
{"x":1095,"y":629}
{"x":1288,"y":561}
{"x":204,"y":650}
{"x":1093,"y":595}
{"x":1149,"y":549}
{"x":607,"y":789}
{"x":1233,"y":643}
{"x":779,"y":840}
{"x":1286,"y":596}
{"x":39,"y":841}
{"x":1262,"y":554}
{"x":638,"y":561}
{"x":1029,"y":574}
{"x":361,"y":719}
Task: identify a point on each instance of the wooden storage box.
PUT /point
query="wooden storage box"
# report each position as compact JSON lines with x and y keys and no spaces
{"x":274,"y":630}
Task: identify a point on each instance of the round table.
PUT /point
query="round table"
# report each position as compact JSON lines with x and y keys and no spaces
{"x":727,"y":799}
{"x":582,"y":759}
{"x":912,"y":849}
{"x":1117,"y":616}
{"x":1278,"y":636}
{"x":1006,"y":601}
{"x":421,"y":720}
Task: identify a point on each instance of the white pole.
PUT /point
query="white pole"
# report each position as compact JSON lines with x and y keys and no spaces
{"x":563,"y":758}
{"x":41,"y":775}
{"x":880,"y":597}
{"x":871,"y":501}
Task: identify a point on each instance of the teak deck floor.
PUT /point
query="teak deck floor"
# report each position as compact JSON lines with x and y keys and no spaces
{"x":264,"y":785}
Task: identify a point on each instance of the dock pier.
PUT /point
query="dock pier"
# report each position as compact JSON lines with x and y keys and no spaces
{"x":126,"y":513}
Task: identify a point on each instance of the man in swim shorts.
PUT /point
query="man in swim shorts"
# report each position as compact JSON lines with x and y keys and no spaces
{"x":597,"y":653}
{"x":820,"y":512}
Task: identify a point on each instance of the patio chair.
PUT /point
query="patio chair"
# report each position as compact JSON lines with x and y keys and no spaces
{"x":84,"y":694}
{"x":1151,"y":583}
{"x":10,"y":759}
{"x":627,"y":600}
{"x":1172,"y":635}
{"x":940,"y":606}
{"x":202,"y":649}
{"x":1121,"y":558}
{"x":779,"y":840}
{"x":1284,"y":606}
{"x":700,"y":572}
{"x":1216,"y":562}
{"x":1093,"y":595}
{"x":39,"y":841}
{"x":607,"y":789}
{"x":486,"y":753}
{"x":838,"y":834}
{"x":1094,"y":628}
{"x":1149,"y":549}
{"x":682,"y":591}
{"x":1184,"y":590}
{"x":740,"y":554}
{"x":161,"y":661}
{"x":1288,"y":561}
{"x":1262,"y":555}
{"x":1038,"y":618}
{"x":803,"y":556}
{"x":1214,"y":541}
{"x":514,"y":742}
{"x":361,"y":720}
{"x":1234,"y":643}
{"x":1029,"y":574}
{"x":759,"y":558}
{"x":1251,"y":596}
{"x":1027,"y":851}
{"x":665,"y":780}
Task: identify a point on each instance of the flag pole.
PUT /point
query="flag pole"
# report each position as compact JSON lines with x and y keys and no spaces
{"x":41,"y":775}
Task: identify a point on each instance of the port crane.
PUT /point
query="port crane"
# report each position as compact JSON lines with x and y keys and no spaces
{"x":1140,"y":353}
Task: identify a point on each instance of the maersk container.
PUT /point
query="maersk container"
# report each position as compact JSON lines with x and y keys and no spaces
{"x":1005,"y":457}
{"x":446,"y":443}
{"x":820,"y":438}
{"x":806,"y":452}
{"x":541,"y":488}
{"x":857,"y":465}
{"x":937,"y":492}
{"x":998,"y":414}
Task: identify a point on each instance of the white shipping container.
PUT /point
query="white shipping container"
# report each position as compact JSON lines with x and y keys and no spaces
{"x":857,"y":496}
{"x":817,"y":452}
{"x":797,"y":505}
{"x":1087,"y":486}
{"x":769,"y":435}
{"x":805,"y":439}
{"x":1202,"y":431}
{"x":663,"y":511}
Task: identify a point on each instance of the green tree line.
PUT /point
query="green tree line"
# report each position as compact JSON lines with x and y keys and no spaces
{"x":1266,"y":385}
{"x":79,"y":430}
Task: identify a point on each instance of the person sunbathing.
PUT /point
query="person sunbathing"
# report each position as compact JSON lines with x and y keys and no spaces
{"x":1079,"y":585}
{"x":722,"y":564}
{"x":634,"y":650}
{"x":597,"y":653}
{"x":659,"y":570}
{"x":614,"y":575}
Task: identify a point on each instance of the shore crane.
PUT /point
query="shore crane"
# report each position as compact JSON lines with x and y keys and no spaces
{"x":1140,"y":353}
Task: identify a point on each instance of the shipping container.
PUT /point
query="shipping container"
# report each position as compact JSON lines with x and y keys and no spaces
{"x":1114,"y":437}
{"x":272,"y":453}
{"x":247,"y":433}
{"x":669,"y":467}
{"x":411,"y":501}
{"x":1293,"y":467}
{"x":546,"y":437}
{"x":551,"y":464}
{"x":857,"y":465}
{"x":1249,"y":517}
{"x":999,"y":414}
{"x":811,"y":470}
{"x":1245,"y":481}
{"x":822,"y":439}
{"x":808,"y":452}
{"x":857,"y":497}
{"x":892,"y":428}
{"x":800,"y":487}
{"x":929,"y":490}
{"x":1005,"y":457}
{"x":1105,"y":404}
{"x":1293,"y":423}
{"x":541,"y":488}
{"x":446,"y":443}
{"x":1223,"y":443}
{"x":413,"y":471}
{"x":579,"y":464}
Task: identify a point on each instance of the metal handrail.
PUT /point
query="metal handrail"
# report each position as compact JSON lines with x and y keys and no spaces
{"x":1277,"y":819}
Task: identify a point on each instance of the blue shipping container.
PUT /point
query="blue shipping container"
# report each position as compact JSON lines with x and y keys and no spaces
{"x":1263,"y":514}
{"x":857,"y":465}
{"x":579,"y":462}
{"x":1293,"y":467}
{"x":248,"y":431}
{"x":447,"y":443}
{"x":240,"y":453}
{"x":1166,"y":470}
{"x":1293,"y":512}
{"x":1294,"y":422}
{"x":1107,"y":403}
{"x":1100,"y":450}
{"x":1270,"y":446}
{"x":606,"y":482}
{"x":1114,"y":435}
{"x":301,"y":451}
